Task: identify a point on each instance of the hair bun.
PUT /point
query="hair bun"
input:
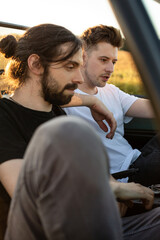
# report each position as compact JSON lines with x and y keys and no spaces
{"x":8,"y":46}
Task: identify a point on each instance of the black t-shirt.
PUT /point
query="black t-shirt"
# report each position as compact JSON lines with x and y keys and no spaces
{"x":17,"y":125}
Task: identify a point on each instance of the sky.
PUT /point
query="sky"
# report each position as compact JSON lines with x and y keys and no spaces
{"x":72,"y":14}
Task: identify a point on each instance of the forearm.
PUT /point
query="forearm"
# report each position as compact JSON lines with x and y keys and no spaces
{"x":81,"y":100}
{"x":98,"y":110}
{"x":115,"y":186}
{"x":131,"y":191}
{"x":141,"y":108}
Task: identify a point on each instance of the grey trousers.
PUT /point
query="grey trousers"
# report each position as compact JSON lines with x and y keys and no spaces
{"x":63,"y":190}
{"x":144,"y":226}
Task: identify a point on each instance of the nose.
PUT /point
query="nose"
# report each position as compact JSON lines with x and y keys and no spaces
{"x":109,"y":67}
{"x":78,"y":78}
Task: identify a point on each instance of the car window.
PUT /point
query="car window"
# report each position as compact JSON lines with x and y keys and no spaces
{"x":5,"y":89}
{"x":143,"y":41}
{"x":3,"y":86}
{"x":126,"y":75}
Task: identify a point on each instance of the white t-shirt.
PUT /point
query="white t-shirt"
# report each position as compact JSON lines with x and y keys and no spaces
{"x":120,"y":152}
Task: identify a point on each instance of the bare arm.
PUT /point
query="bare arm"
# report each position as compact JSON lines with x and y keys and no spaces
{"x":98,"y":109}
{"x":131,"y":191}
{"x":141,"y":108}
{"x":9,"y":172}
{"x":78,"y":100}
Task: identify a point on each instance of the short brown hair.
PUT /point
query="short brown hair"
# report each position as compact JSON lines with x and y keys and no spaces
{"x":101,"y":33}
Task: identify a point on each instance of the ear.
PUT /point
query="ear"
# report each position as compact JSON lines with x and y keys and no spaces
{"x":85,"y":57}
{"x":34,"y":64}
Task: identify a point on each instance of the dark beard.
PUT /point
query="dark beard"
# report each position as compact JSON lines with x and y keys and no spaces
{"x":57,"y":98}
{"x":50,"y":93}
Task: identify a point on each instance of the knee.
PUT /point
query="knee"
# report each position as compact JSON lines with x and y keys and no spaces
{"x":74,"y":139}
{"x":68,"y":129}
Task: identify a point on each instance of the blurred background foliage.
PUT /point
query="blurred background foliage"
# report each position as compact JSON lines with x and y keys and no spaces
{"x":125,"y":75}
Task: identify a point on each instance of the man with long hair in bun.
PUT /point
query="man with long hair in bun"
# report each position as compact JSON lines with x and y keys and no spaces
{"x":63,"y":189}
{"x":45,"y":68}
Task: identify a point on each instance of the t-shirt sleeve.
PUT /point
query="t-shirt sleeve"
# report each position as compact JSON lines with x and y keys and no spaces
{"x":126,"y":101}
{"x":12,"y":146}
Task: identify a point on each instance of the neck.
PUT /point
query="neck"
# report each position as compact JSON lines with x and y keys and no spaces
{"x":84,"y":87}
{"x":30,"y":97}
{"x":87,"y":86}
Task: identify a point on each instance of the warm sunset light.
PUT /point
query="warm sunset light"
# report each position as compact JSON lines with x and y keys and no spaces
{"x":73,"y":14}
{"x":78,"y":16}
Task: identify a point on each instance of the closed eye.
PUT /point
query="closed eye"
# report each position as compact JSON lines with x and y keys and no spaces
{"x":71,"y":65}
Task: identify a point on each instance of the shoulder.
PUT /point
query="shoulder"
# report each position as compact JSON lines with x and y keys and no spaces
{"x":8,"y":109}
{"x":117,"y":91}
{"x":58,"y":111}
{"x":112,"y":87}
{"x":109,"y":89}
{"x":4,"y":106}
{"x":5,"y":103}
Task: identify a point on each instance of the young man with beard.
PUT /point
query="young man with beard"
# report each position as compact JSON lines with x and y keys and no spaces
{"x":101,"y":44}
{"x":63,"y":189}
{"x":46,"y":69}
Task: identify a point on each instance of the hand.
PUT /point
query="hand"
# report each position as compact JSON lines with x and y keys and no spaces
{"x":123,"y":206}
{"x":99,"y":113}
{"x":98,"y":109}
{"x":131,"y":191}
